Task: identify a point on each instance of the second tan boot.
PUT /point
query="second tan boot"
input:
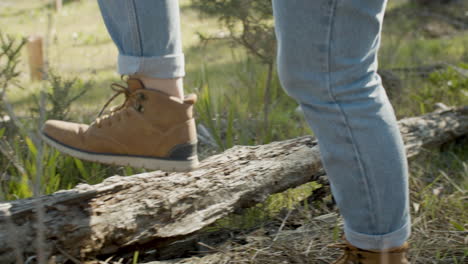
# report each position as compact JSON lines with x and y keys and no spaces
{"x":354,"y":255}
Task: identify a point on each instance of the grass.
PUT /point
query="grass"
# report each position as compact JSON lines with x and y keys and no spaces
{"x":230,"y":86}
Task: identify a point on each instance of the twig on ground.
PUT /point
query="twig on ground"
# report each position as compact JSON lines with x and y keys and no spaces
{"x":70,"y":257}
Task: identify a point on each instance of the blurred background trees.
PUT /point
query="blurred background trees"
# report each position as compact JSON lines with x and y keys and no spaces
{"x":250,"y":25}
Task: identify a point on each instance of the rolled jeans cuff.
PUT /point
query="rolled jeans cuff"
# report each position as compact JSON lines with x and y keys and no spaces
{"x":163,"y":67}
{"x":378,"y":242}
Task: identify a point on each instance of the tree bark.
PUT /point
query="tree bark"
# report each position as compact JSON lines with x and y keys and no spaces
{"x":125,"y":211}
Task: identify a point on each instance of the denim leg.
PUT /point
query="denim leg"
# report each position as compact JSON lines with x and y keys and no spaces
{"x":147,"y":34}
{"x":327,"y":61}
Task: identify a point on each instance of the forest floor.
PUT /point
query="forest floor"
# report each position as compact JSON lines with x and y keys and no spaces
{"x":422,"y":51}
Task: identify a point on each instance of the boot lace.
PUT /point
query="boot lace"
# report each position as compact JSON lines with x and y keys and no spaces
{"x":129,"y":97}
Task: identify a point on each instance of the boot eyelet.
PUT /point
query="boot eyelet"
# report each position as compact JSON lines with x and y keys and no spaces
{"x":141,"y":96}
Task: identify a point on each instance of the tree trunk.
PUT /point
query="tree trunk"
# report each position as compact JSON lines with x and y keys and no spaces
{"x":125,"y":211}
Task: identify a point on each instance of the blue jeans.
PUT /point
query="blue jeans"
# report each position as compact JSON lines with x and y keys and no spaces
{"x":327,"y":61}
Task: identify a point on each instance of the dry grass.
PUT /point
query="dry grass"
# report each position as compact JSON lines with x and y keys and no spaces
{"x":302,"y":234}
{"x":439,"y":208}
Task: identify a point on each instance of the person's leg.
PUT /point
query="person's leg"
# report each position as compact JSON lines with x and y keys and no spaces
{"x":147,"y":35}
{"x":154,"y":128}
{"x":327,"y":61}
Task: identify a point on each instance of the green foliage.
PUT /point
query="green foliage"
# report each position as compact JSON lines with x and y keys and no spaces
{"x":233,"y":116}
{"x":62,"y":93}
{"x":28,"y":166}
{"x":135,"y":257}
{"x":249,"y":22}
{"x":58,"y":171}
{"x":10,"y":51}
{"x":276,"y":203}
{"x":449,"y":86}
{"x":454,"y":80}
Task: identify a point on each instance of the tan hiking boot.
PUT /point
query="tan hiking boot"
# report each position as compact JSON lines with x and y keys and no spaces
{"x":149,"y":130}
{"x":354,"y":255}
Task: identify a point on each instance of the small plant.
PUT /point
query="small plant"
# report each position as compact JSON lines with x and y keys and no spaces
{"x":61,"y":94}
{"x":250,"y":24}
{"x":449,"y":86}
{"x":10,"y":51}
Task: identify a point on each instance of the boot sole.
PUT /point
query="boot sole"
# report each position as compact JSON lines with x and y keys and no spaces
{"x":125,"y":160}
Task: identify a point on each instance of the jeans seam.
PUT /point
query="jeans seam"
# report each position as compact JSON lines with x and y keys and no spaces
{"x":133,"y":21}
{"x":365,"y":180}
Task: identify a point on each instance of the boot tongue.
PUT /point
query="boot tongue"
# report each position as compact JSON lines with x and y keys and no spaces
{"x":134,"y":84}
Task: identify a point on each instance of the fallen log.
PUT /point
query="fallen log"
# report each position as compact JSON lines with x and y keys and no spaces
{"x":156,"y":207}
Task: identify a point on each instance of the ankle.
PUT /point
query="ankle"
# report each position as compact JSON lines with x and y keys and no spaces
{"x":173,"y":87}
